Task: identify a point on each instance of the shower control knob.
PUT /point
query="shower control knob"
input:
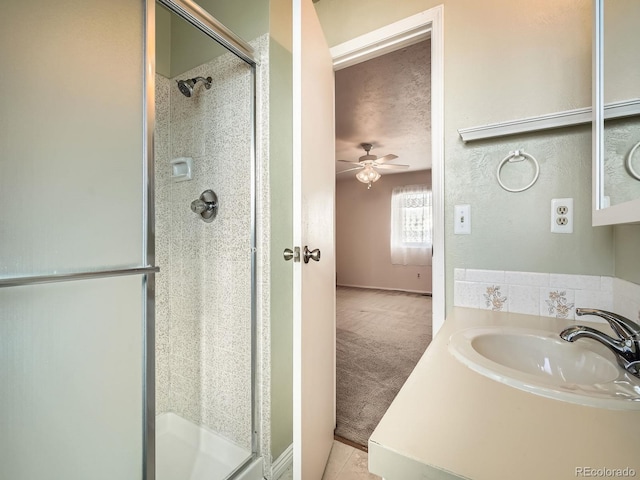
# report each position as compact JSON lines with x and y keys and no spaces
{"x":198,"y":206}
{"x":206,"y":206}
{"x":311,"y":254}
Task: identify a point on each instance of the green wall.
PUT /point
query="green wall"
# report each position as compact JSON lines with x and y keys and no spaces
{"x":163,"y":41}
{"x":627,"y":259}
{"x":181,"y":47}
{"x":248,"y":19}
{"x":190,"y":47}
{"x":511,"y":231}
{"x":495,"y":70}
{"x":281,"y":204}
{"x":281,"y":155}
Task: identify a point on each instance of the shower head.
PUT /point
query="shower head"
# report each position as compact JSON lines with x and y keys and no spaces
{"x":186,"y":86}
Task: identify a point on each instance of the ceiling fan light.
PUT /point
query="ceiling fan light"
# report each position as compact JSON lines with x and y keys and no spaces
{"x":363,"y":176}
{"x":367,"y":175}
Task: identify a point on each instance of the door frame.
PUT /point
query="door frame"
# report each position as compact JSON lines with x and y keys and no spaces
{"x":405,"y":32}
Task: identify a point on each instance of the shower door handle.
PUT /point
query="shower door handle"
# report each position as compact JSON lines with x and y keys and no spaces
{"x":311,"y":254}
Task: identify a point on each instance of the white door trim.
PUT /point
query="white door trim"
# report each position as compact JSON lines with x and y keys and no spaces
{"x":405,"y":32}
{"x":297,"y":238}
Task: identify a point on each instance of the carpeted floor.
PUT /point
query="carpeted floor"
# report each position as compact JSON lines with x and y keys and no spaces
{"x":380,"y":337}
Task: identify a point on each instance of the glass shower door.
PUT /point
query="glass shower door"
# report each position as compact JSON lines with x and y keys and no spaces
{"x":74,"y":279}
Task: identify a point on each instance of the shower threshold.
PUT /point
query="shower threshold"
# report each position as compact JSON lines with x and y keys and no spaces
{"x":186,"y":451}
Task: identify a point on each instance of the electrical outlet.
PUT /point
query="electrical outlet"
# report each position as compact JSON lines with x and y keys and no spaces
{"x":418,"y":275}
{"x":562,"y":215}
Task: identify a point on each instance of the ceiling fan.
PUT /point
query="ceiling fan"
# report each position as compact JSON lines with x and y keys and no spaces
{"x":367,"y":164}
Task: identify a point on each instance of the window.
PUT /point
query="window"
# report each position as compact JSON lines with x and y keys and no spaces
{"x":411,"y":225}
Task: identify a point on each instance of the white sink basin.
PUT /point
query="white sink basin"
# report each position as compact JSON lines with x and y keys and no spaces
{"x":541,"y":362}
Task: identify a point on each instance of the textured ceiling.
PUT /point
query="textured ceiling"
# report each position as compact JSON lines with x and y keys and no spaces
{"x":386,"y":101}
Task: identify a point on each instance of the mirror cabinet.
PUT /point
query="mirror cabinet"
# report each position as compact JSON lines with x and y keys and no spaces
{"x":616,"y":112}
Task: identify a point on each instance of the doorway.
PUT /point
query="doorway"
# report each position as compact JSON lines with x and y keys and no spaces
{"x":383,"y":233}
{"x":310,"y":361}
{"x":372,"y":292}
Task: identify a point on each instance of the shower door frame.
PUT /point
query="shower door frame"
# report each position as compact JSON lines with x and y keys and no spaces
{"x":195,"y":15}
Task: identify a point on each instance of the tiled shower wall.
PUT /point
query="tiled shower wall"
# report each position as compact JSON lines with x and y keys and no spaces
{"x":163,"y":242}
{"x":203,"y":352}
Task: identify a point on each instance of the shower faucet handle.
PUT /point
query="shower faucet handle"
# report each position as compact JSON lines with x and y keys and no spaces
{"x":206,"y":206}
{"x":198,"y":206}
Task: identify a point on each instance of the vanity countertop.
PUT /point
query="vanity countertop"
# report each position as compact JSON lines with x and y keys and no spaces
{"x":449,"y":422}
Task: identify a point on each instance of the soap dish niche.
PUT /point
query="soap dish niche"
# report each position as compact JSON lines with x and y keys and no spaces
{"x":181,"y":169}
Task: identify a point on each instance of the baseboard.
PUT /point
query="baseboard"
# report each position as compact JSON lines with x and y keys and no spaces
{"x":284,"y":461}
{"x":355,"y":445}
{"x":422,"y":292}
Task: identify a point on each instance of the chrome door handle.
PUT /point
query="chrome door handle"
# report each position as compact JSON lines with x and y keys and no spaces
{"x":311,"y":254}
{"x":289,"y":254}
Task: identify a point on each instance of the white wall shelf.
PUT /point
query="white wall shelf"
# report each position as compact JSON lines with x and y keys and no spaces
{"x":545,"y":122}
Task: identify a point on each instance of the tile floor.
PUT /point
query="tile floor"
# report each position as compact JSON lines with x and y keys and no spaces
{"x":345,"y":463}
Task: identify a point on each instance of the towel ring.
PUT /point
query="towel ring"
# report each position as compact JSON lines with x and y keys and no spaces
{"x":630,"y":168}
{"x":518,"y":156}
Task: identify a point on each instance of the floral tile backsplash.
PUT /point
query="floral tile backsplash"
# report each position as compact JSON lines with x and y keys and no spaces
{"x":558,"y":304}
{"x":494,"y":298}
{"x":544,"y":294}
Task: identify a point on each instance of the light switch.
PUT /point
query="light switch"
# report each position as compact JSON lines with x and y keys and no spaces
{"x":462,"y":220}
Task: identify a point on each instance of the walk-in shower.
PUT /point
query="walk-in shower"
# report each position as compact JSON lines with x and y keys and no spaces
{"x":206,"y":427}
{"x":186,"y":86}
{"x":128,"y":336}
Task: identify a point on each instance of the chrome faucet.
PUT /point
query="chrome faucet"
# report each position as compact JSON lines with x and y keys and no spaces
{"x":626,"y":346}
